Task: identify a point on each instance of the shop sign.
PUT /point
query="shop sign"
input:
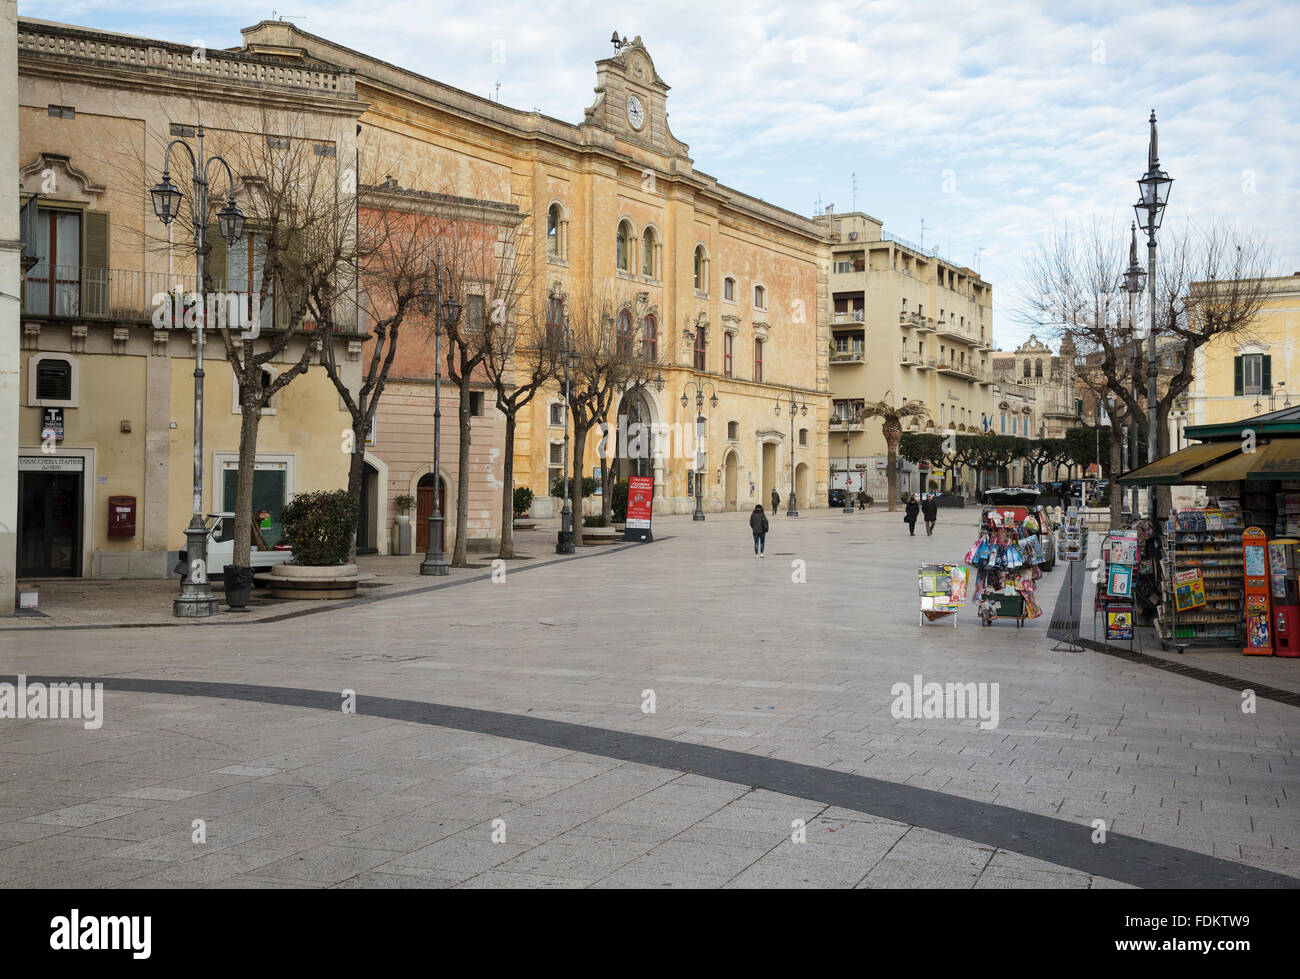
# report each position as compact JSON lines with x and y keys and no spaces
{"x":640,"y":504}
{"x":52,"y":424}
{"x":51,"y":464}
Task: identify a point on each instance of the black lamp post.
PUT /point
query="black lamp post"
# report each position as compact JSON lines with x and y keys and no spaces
{"x":792,"y":407}
{"x":854,"y":418}
{"x":196,"y":599}
{"x":1133,"y":277}
{"x":444,"y":311}
{"x":565,"y":542}
{"x":1150,"y":208}
{"x":699,"y":387}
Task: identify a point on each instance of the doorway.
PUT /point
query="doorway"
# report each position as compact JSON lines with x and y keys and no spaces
{"x":803,"y":496}
{"x":731,"y":478}
{"x":49,"y":525}
{"x":768,"y":472}
{"x":366,"y":542}
{"x":424,"y":510}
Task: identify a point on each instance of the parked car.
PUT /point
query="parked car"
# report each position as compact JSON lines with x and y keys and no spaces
{"x":221,"y":548}
{"x":837,"y":498}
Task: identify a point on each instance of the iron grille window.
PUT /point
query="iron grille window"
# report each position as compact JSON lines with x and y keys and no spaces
{"x":54,"y":380}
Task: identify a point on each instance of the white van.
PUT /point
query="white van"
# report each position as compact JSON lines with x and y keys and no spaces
{"x":221,"y":548}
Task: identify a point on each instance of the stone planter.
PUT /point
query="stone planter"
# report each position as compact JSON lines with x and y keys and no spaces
{"x":298,"y":581}
{"x":524,"y":523}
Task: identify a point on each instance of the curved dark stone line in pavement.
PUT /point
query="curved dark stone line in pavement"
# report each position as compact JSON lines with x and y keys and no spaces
{"x":1123,"y":858}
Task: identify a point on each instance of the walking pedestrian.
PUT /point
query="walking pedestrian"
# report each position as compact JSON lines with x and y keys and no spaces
{"x":930,"y":510}
{"x":862,"y":499}
{"x":776,"y":502}
{"x":910,"y":514}
{"x":758,"y":524}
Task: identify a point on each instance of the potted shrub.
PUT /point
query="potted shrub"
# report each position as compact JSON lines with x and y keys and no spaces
{"x":523,"y":499}
{"x":322,"y":526}
{"x":404,"y":503}
{"x":618,"y":504}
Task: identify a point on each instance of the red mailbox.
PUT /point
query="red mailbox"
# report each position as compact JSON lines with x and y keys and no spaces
{"x":121,"y":516}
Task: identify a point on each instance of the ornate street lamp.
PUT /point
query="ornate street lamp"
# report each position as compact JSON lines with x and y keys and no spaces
{"x":854,"y":418}
{"x":1133,"y":278}
{"x":565,"y":543}
{"x":1153,"y":195}
{"x":196,"y":599}
{"x":793,"y":407}
{"x":444,"y":310}
{"x":700,"y":434}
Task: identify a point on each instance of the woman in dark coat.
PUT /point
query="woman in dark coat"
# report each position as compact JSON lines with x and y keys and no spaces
{"x":758,"y":524}
{"x":910,"y":515}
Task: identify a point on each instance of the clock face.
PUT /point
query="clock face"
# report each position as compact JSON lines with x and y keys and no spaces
{"x":635,"y":112}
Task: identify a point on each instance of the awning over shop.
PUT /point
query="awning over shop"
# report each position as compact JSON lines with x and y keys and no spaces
{"x":1222,"y":462}
{"x":1176,"y":468}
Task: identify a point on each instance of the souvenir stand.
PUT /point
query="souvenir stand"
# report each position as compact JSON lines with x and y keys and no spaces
{"x":943,"y":591}
{"x":1071,"y":548}
{"x":1202,"y":596}
{"x":1005,"y":562}
{"x":1116,"y":578}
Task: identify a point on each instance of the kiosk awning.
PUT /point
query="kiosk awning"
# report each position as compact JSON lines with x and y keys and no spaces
{"x":1181,"y":465}
{"x":1280,"y":459}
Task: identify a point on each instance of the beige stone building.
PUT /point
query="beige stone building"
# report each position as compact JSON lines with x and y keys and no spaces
{"x":10,"y":286}
{"x":908,"y":325}
{"x":1032,"y":377}
{"x":105,"y":430}
{"x":718,"y":287}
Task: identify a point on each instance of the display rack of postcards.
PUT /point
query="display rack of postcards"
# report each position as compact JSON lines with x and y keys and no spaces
{"x":1202,"y":578}
{"x":1288,"y":515}
{"x":1005,"y":561}
{"x":1116,"y":577}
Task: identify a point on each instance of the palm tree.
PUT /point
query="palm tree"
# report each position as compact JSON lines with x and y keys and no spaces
{"x":891,"y":418}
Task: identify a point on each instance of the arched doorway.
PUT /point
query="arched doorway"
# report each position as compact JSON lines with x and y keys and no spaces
{"x":634,"y":452}
{"x":424,"y":510}
{"x":803,"y":494}
{"x":731,"y":480}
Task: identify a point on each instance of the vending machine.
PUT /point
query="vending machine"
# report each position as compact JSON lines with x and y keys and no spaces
{"x":1284,"y":589}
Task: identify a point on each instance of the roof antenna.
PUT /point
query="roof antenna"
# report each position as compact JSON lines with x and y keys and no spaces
{"x":854,"y":177}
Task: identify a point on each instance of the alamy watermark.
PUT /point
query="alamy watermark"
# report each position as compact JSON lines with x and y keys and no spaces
{"x":53,"y":701}
{"x":954,"y":701}
{"x":221,"y":310}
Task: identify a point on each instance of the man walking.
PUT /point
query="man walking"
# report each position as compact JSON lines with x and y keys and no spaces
{"x":930,"y":510}
{"x":758,"y":524}
{"x":776,"y":502}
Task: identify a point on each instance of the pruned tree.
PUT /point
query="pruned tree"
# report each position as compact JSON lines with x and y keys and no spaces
{"x":1210,"y":283}
{"x":520,"y":359}
{"x":395,"y":251}
{"x":607,"y":361}
{"x":891,"y":418}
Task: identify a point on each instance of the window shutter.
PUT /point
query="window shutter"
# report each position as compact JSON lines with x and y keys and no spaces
{"x":1237,"y":387}
{"x":1266,"y":376}
{"x":94,"y":252}
{"x":218,"y":251}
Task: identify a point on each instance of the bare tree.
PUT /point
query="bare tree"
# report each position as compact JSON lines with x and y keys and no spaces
{"x":520,"y":360}
{"x":1210,"y":284}
{"x":604,"y":333}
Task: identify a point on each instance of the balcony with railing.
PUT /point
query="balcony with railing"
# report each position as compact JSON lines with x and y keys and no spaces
{"x":119,"y":295}
{"x":926,"y":364}
{"x":922,"y":324}
{"x":855,"y":354}
{"x":848,"y":316}
{"x":957,"y":368}
{"x":907,"y":358}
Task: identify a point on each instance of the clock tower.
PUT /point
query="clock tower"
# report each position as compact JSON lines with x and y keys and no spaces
{"x":631,"y":100}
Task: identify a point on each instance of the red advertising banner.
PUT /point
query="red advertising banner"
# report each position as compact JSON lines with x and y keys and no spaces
{"x":640,"y":503}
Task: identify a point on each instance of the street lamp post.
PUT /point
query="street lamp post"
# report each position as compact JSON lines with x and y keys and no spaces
{"x":448,"y":311}
{"x":1150,"y":208}
{"x":699,"y":387}
{"x":1133,"y":277}
{"x":792,"y":408}
{"x":848,"y":432}
{"x":565,"y":543}
{"x":196,"y":599}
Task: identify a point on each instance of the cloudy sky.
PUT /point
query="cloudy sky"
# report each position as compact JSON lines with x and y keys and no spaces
{"x":991,"y":122}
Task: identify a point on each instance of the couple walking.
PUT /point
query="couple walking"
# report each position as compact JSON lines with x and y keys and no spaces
{"x":929,"y":509}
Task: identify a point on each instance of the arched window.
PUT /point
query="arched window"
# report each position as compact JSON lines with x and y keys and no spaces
{"x":649,"y":254}
{"x":623,"y":247}
{"x":760,"y":297}
{"x":650,"y":339}
{"x":701,"y":269}
{"x":729,"y":289}
{"x":733,"y":430}
{"x":701,"y":350}
{"x":803,"y":436}
{"x":1026,"y":367}
{"x":554,"y":319}
{"x":1038,"y":368}
{"x":555,"y":232}
{"x":624,"y":333}
{"x":728,"y":340}
{"x":758,"y":360}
